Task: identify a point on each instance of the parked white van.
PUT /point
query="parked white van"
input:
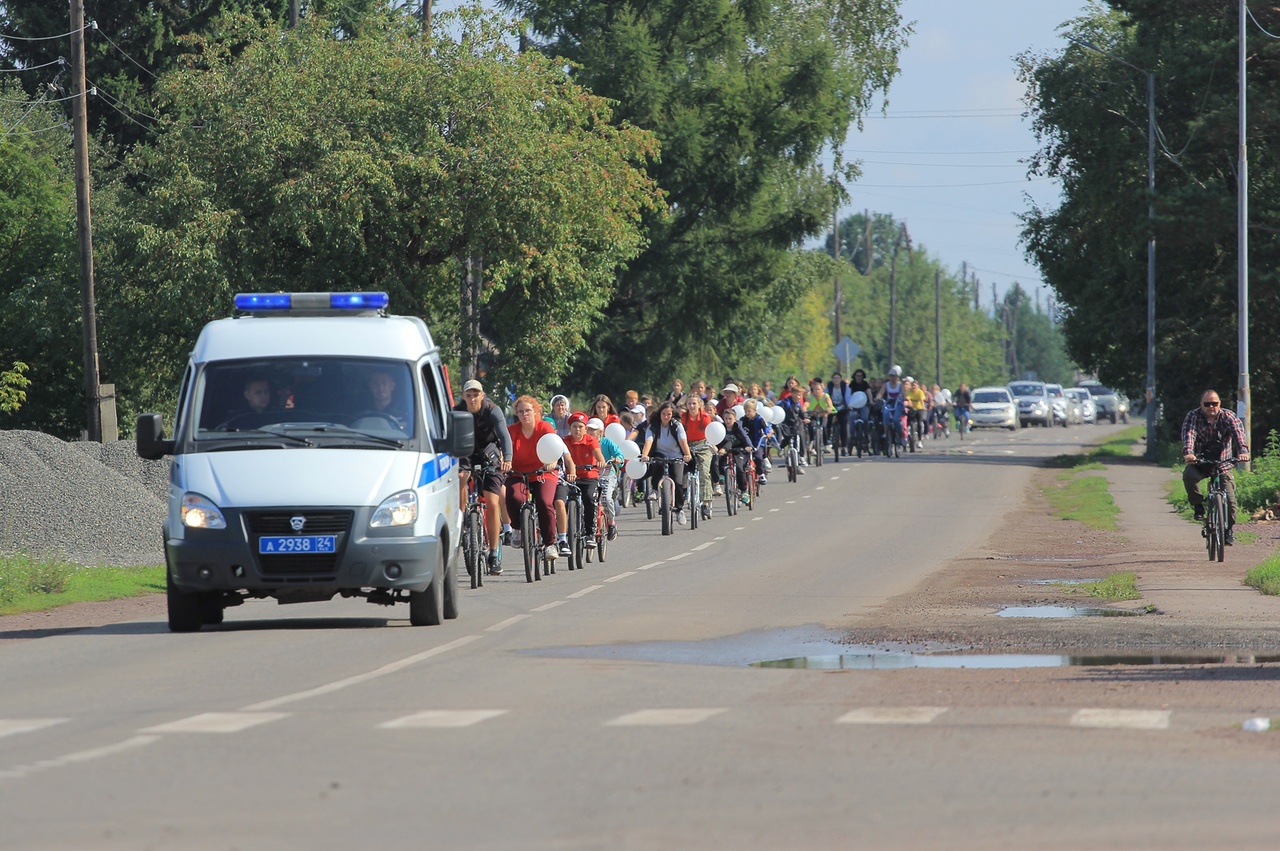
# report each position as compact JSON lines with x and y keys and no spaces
{"x":314,"y":453}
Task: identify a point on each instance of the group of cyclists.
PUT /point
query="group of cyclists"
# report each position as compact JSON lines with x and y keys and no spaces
{"x":723,"y":437}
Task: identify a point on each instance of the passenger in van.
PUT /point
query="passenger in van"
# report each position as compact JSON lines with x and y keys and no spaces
{"x":257,"y":393}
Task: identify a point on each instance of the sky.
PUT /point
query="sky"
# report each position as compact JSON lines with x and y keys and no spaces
{"x":948,"y":156}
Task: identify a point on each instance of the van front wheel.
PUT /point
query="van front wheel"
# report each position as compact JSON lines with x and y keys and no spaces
{"x":424,"y":605}
{"x":186,"y":609}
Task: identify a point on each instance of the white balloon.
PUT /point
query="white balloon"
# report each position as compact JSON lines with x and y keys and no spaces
{"x":778,"y":413}
{"x":715,"y":433}
{"x":738,"y":409}
{"x":636,"y":468}
{"x":616,"y":432}
{"x":551,"y":448}
{"x":859,"y":399}
{"x":629,"y":450}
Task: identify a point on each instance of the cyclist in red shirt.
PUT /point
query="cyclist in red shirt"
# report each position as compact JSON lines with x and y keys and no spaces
{"x":526,"y":431}
{"x":588,"y":461}
{"x":695,"y":420}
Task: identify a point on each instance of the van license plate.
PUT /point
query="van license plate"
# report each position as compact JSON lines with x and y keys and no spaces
{"x":278,"y":544}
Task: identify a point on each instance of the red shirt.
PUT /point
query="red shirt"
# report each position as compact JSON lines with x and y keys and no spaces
{"x":724,"y":404}
{"x":696,"y":427}
{"x":583,"y":454}
{"x":524,"y":450}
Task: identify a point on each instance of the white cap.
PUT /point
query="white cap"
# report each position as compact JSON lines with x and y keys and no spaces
{"x":595,"y":422}
{"x":729,"y":388}
{"x":895,"y":370}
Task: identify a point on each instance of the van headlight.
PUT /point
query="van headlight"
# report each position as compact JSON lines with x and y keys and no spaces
{"x":199,"y":512}
{"x":400,"y":509}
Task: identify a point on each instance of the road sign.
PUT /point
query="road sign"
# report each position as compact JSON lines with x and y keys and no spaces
{"x":846,"y":350}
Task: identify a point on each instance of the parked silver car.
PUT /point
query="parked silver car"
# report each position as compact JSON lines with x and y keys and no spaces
{"x":1111,"y":405}
{"x":994,"y":407}
{"x":1034,"y":405}
{"x":1088,"y":412}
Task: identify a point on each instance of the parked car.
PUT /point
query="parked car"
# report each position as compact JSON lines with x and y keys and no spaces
{"x":1088,"y":412}
{"x":1034,"y":405}
{"x":1111,"y":405}
{"x":1065,"y":411}
{"x":993,"y":407}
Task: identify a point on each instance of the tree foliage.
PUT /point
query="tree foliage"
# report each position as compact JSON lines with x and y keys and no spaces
{"x":308,"y":161}
{"x":1090,"y":112}
{"x":743,"y":97}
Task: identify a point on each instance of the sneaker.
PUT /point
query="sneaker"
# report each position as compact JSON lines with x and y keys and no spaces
{"x":495,"y":563}
{"x":804,"y":463}
{"x":652,"y":497}
{"x":1199,"y":511}
{"x":550,"y":551}
{"x":591,"y":542}
{"x":680,"y":518}
{"x":1230,"y":537}
{"x":746,"y":499}
{"x":762,"y":479}
{"x":507,"y":536}
{"x":768,"y":465}
{"x":717,"y":491}
{"x":706,"y":511}
{"x":612,"y":534}
{"x":516,"y":539}
{"x":564,"y":548}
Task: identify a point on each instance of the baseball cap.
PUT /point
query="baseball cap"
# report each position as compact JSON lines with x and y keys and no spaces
{"x":909,"y":378}
{"x":895,"y":370}
{"x":729,"y":388}
{"x":472,"y":385}
{"x":578,"y":417}
{"x":595,"y":423}
{"x":558,"y":396}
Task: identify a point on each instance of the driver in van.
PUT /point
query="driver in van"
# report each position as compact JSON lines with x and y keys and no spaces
{"x":382,"y":388}
{"x":257,"y":394}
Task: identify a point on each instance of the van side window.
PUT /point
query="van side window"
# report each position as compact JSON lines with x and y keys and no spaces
{"x":435,"y":402}
{"x":181,"y":410}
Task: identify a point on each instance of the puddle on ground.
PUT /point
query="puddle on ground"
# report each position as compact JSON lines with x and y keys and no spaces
{"x":1064,"y":612}
{"x":817,"y":649}
{"x":896,"y":661}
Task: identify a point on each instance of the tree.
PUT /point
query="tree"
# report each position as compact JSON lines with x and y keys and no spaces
{"x":743,"y":97}
{"x":1090,"y":114}
{"x":376,"y":161}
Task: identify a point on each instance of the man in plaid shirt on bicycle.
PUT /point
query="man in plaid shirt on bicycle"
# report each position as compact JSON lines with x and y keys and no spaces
{"x":1218,"y":437}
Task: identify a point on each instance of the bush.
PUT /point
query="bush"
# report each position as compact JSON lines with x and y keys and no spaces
{"x":1260,"y":486}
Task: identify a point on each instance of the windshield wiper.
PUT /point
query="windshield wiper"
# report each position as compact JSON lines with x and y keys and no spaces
{"x":347,"y":431}
{"x":240,"y":435}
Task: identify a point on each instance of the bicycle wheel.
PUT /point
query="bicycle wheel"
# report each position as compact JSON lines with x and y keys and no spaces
{"x":793,"y":464}
{"x":470,"y":549}
{"x":666,"y":504}
{"x":648,"y":503}
{"x":819,"y":448}
{"x":730,"y":487}
{"x":1220,"y":524}
{"x":475,"y":533}
{"x":576,"y":540}
{"x":602,"y":535}
{"x":529,"y":544}
{"x":693,"y":499}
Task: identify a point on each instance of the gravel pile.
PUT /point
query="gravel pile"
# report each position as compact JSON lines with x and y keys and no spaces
{"x":88,"y":503}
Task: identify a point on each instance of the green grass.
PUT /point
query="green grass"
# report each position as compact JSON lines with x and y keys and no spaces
{"x":1119,"y":445}
{"x":32,"y":585}
{"x":1084,"y":498}
{"x":1117,"y":586}
{"x":1266,"y":576}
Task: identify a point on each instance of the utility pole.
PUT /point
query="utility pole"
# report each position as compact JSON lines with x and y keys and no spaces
{"x":1244,"y":408}
{"x":893,"y":290}
{"x":937,"y":327}
{"x":84,"y":227}
{"x":293,"y":14}
{"x":866,"y":224}
{"x":835,"y":252}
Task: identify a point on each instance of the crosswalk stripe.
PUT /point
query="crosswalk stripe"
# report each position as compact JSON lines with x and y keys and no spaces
{"x":217,"y":722}
{"x":663,"y":717}
{"x":892,"y":715}
{"x":14,"y":726}
{"x":436,"y":718}
{"x":1127,"y":719}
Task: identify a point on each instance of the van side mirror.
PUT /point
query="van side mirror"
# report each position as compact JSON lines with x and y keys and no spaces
{"x":150,"y":440}
{"x":462,"y":434}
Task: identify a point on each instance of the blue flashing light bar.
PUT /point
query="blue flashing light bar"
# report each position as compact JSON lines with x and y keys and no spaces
{"x":263,"y":301}
{"x":358,"y":301}
{"x":284,"y":302}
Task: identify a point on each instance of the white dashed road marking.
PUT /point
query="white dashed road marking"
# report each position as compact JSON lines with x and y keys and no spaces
{"x":13,"y":726}
{"x":1127,"y":719}
{"x":551,"y":605}
{"x":892,"y":715}
{"x":217,"y":722}
{"x":701,"y":547}
{"x":678,"y":556}
{"x":585,"y":591}
{"x":442,"y":718}
{"x":652,"y":564}
{"x":663,"y":717}
{"x":621,"y":576}
{"x":508,"y":622}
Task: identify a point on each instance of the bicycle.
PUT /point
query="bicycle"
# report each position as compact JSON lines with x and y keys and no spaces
{"x":893,"y":437}
{"x":1216,"y":518}
{"x":753,"y":481}
{"x":815,"y":446}
{"x":792,"y":457}
{"x":602,"y":532}
{"x":962,"y":421}
{"x":475,"y":533}
{"x":941,"y":423}
{"x":860,"y":437}
{"x":666,"y":494}
{"x":535,"y":558}
{"x":731,"y":482}
{"x":573,"y":526}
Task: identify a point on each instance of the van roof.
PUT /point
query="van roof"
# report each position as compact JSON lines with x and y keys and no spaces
{"x":397,"y":337}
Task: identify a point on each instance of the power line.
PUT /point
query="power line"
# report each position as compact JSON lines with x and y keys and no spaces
{"x":1265,"y":31}
{"x":59,"y":61}
{"x":851,"y":150}
{"x":143,"y":68}
{"x":7,"y":37}
{"x":951,"y":185}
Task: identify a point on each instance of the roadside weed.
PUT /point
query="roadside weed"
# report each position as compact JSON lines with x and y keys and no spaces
{"x":30,"y":585}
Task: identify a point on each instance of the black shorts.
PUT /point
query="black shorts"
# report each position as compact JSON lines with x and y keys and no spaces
{"x":493,"y":478}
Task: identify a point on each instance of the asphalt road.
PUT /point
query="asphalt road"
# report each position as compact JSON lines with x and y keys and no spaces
{"x":612,"y":708}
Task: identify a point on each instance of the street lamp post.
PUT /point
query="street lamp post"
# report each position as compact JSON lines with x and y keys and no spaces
{"x":1151,"y":237}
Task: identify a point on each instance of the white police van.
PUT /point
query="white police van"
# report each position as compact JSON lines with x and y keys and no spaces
{"x":313,"y":456}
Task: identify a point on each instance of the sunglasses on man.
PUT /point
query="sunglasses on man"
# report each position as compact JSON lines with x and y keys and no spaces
{"x":1210,"y":404}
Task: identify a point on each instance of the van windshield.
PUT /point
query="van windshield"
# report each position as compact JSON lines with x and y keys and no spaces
{"x":990,"y":396}
{"x":304,"y":397}
{"x":1027,"y":389}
